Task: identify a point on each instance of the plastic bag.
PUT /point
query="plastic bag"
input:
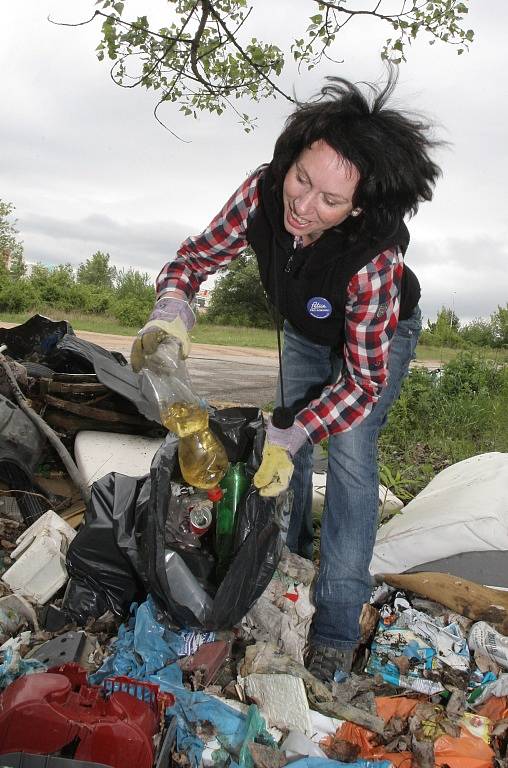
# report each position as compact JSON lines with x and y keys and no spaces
{"x":120,"y":552}
{"x":102,"y":560}
{"x":464,"y":751}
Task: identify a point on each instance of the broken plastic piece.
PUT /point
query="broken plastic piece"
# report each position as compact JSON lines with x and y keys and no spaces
{"x":43,"y":714}
{"x":15,"y":613}
{"x":59,"y":650}
{"x":208,"y":659}
{"x":39,"y":570}
{"x":296,"y":743}
{"x":22,"y":760}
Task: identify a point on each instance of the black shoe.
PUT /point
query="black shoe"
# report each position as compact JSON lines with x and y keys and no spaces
{"x":323,"y":661}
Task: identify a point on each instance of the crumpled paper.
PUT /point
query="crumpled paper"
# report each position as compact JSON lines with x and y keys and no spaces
{"x":283,"y":614}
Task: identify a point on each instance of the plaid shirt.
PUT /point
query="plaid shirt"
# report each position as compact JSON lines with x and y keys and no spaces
{"x":372,"y":311}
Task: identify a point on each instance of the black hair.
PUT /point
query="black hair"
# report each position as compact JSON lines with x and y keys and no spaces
{"x":389,"y":148}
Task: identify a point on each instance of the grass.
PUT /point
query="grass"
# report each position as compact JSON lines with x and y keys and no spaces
{"x":445,"y":354}
{"x":80,"y":322}
{"x":438,"y":421}
{"x":225,"y":335}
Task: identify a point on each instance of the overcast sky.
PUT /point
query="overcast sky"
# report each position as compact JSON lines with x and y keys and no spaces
{"x":88,"y":168}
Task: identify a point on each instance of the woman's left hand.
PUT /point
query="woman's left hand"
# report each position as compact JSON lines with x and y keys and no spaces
{"x":276,"y":468}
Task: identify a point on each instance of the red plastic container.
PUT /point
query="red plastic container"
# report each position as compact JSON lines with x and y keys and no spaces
{"x":43,"y":713}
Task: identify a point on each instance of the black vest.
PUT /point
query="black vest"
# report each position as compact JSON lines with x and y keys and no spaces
{"x":297,"y":281}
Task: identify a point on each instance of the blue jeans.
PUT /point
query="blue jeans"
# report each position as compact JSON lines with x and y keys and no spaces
{"x":349,"y":522}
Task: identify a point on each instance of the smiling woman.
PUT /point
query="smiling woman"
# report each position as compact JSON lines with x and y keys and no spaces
{"x":318,"y":192}
{"x":325,"y":220}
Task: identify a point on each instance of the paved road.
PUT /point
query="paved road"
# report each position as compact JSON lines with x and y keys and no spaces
{"x":225,"y":374}
{"x":220,"y":374}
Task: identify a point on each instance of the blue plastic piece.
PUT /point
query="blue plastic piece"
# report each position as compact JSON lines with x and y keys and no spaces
{"x":13,"y":666}
{"x":145,"y":650}
{"x":143,"y":646}
{"x":323,"y":762}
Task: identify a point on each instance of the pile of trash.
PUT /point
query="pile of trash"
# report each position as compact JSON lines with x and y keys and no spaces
{"x":128,"y":638}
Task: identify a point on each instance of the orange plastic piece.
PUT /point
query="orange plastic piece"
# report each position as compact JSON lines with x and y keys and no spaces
{"x":496,"y":708}
{"x":465,"y":751}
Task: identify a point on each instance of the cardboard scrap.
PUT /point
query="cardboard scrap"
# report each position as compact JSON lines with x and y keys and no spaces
{"x":282,"y":699}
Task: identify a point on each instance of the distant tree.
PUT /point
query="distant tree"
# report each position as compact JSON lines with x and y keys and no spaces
{"x":17,"y":267}
{"x":97,"y":271}
{"x":11,"y":248}
{"x":478,"y":332}
{"x":54,"y":286}
{"x":499,"y":321}
{"x":134,"y":297}
{"x":444,"y":331}
{"x":131,"y":283}
{"x":238,"y":297}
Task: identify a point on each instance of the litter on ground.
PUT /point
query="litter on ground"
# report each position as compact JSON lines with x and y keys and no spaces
{"x":135,"y":631}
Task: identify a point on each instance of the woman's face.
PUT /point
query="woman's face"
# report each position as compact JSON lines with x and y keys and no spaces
{"x":318,"y":191}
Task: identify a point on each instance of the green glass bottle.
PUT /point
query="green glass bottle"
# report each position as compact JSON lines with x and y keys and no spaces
{"x":233,"y":485}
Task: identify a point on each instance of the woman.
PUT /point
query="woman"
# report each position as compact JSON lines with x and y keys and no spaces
{"x":326,"y":221}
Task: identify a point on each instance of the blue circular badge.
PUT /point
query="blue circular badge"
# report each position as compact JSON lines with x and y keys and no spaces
{"x":319,"y":307}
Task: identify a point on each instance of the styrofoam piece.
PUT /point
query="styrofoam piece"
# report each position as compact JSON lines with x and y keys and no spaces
{"x":40,"y":571}
{"x":387,"y":500}
{"x":99,"y":453}
{"x":282,"y":699}
{"x":463,"y":509}
{"x":296,"y":744}
{"x":323,"y":725}
{"x":46,"y":524}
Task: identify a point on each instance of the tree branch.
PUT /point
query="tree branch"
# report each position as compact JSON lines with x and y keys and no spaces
{"x":247,"y":58}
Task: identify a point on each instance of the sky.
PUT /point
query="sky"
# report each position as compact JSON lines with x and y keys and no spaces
{"x":88,"y":168}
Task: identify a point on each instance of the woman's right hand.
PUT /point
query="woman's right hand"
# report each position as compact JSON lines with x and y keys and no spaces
{"x":171,"y":320}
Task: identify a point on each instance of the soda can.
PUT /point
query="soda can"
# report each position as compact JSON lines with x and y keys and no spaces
{"x":200,"y":519}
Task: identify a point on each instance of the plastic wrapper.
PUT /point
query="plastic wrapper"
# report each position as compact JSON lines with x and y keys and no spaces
{"x":120,"y":552}
{"x":467,"y":750}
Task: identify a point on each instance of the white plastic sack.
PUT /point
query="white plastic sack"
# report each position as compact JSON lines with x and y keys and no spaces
{"x":463,"y":509}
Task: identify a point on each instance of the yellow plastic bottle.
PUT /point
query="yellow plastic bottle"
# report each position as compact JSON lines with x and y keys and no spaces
{"x":203,"y":460}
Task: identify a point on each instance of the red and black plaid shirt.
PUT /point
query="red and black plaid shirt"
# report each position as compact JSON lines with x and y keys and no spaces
{"x":372,"y":311}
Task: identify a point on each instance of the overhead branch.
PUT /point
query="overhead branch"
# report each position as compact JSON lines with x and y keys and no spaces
{"x":247,"y":58}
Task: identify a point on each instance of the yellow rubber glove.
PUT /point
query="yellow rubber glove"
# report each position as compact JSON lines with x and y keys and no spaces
{"x":153,"y":334}
{"x":275,"y":472}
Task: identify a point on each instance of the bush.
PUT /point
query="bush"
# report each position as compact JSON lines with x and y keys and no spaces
{"x":443,"y":417}
{"x":131,"y":311}
{"x":16,"y":296}
{"x":96,"y":301}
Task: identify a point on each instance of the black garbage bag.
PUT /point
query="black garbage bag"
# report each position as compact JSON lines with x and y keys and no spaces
{"x":123,"y":551}
{"x":236,"y":428}
{"x":73,"y":355}
{"x":35,"y":339}
{"x":53,"y":343}
{"x":102,"y":560}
